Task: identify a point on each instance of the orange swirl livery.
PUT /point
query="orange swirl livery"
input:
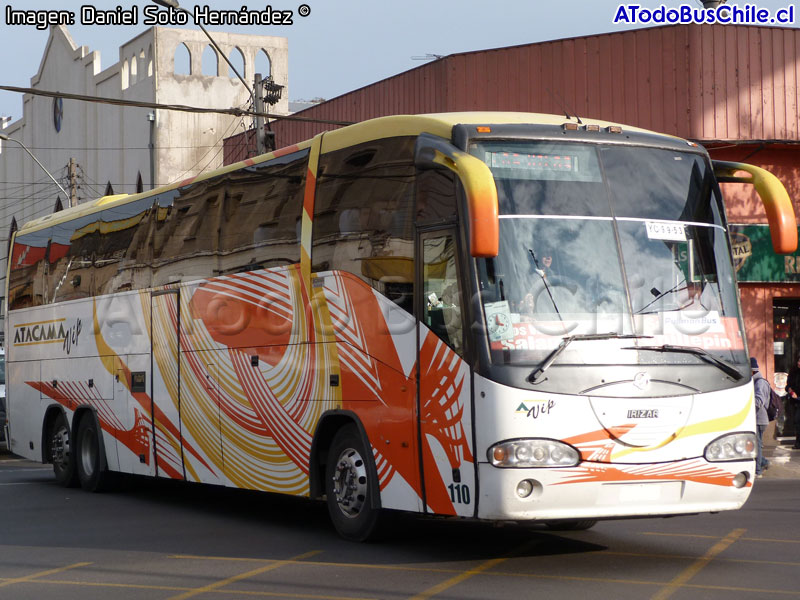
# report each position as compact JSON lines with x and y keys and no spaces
{"x":491,"y":316}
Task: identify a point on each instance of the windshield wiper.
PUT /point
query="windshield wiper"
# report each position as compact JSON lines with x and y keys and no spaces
{"x":698,"y":352}
{"x":566,"y":341}
{"x":541,"y":274}
{"x":659,"y":295}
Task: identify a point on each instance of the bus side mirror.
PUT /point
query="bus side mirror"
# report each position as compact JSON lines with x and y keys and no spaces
{"x":432,"y":152}
{"x":780,"y":212}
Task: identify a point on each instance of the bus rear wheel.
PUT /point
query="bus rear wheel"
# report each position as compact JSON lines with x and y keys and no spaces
{"x":61,"y":452}
{"x":571,"y":525}
{"x":90,"y":458}
{"x":349,"y":482}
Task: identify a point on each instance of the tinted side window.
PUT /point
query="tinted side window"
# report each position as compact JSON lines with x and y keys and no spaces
{"x":436,"y":196}
{"x":188,"y":234}
{"x":261,"y":213}
{"x":29,"y":268}
{"x":364,"y":215}
{"x":100,"y":254}
{"x":242,"y":220}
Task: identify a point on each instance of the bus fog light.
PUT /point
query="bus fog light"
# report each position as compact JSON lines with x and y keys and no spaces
{"x":740,"y":480}
{"x":524,"y":488}
{"x":732,"y":446}
{"x":533,"y":452}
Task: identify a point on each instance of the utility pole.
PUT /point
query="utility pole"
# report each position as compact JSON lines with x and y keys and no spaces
{"x":73,"y":183}
{"x":261,"y":144}
{"x":151,"y":117}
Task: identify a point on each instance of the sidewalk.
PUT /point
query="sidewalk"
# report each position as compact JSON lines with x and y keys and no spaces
{"x":784,"y":461}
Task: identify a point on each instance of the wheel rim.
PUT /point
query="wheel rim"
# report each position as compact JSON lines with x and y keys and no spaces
{"x":60,"y":447}
{"x":88,"y":452}
{"x":350,"y":483}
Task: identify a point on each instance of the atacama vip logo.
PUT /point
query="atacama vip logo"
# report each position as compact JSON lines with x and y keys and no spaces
{"x":57,"y":331}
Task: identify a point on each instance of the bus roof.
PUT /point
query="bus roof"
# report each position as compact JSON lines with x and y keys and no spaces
{"x":440,"y":124}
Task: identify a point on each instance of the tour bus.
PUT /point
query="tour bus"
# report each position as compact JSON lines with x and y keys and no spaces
{"x":499,"y":316}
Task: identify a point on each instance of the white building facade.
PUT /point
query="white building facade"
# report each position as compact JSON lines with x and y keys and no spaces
{"x":128,"y":148}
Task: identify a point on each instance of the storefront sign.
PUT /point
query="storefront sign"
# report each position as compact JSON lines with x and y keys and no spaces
{"x":754,"y":259}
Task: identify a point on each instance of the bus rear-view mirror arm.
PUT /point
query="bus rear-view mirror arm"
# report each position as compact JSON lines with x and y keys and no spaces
{"x":778,"y":205}
{"x":432,"y":152}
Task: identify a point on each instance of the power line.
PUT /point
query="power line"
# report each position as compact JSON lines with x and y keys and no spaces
{"x":236,"y":112}
{"x":113,"y":148}
{"x":182,"y":176}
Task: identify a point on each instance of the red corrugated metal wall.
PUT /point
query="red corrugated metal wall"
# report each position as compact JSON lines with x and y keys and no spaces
{"x":709,"y":82}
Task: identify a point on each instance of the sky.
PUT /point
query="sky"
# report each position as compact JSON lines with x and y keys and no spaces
{"x":342,"y":44}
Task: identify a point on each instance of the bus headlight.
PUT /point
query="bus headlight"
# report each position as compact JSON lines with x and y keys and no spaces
{"x":528,"y":453}
{"x":733,"y":446}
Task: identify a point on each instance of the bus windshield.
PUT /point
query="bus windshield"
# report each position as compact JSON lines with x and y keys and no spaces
{"x":594,"y":239}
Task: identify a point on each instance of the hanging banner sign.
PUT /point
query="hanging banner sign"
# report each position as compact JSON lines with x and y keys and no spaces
{"x":754,"y":259}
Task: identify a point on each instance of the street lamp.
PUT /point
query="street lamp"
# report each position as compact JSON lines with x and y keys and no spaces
{"x":174,"y":5}
{"x":5,"y":138}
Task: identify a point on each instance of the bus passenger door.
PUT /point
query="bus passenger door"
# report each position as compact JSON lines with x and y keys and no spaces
{"x":445,"y":395}
{"x":165,"y":383}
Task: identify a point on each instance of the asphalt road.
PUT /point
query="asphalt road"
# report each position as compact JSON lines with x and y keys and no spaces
{"x":158,"y":540}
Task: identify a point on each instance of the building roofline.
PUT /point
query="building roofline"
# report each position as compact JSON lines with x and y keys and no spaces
{"x":450,"y":57}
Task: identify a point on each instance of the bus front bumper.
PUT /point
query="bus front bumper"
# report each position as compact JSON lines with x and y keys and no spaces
{"x":608,"y":491}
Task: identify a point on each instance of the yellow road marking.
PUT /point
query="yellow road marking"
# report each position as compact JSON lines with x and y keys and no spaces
{"x":175,"y":588}
{"x":418,"y":569}
{"x":716,"y":537}
{"x":457,"y":579}
{"x":699,"y":564}
{"x":214,"y":586}
{"x":691,"y":535}
{"x":770,"y":540}
{"x":463,"y":576}
{"x":754,"y":561}
{"x":231,"y":593}
{"x":35,"y":576}
{"x":322,"y":564}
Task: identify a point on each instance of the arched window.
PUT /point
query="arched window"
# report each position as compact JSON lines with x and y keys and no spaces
{"x":210,"y":61}
{"x":134,"y":69}
{"x":183,"y":60}
{"x":142,"y":63}
{"x":150,"y":60}
{"x":263,"y":64}
{"x":124,"y":75}
{"x":237,"y":60}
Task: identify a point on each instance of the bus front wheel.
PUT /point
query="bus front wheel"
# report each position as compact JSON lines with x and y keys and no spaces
{"x":90,"y":458}
{"x":348,"y":486}
{"x":61,"y":452}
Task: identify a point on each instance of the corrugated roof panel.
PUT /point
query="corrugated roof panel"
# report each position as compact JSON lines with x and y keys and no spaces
{"x":711,"y":82}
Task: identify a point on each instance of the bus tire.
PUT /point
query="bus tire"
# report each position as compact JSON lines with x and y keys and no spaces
{"x":349,"y":477}
{"x":61,"y":452}
{"x":90,"y":458}
{"x":571,"y":525}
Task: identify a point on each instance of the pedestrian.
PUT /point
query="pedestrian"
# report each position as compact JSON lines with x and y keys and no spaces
{"x":762,"y":392}
{"x":793,"y":389}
